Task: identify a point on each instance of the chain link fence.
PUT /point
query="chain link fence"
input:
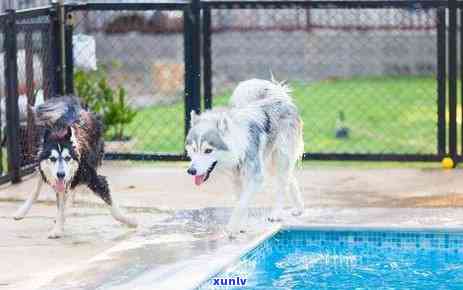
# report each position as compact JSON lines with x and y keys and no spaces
{"x":369,"y":78}
{"x":364,"y":80}
{"x":35,"y":79}
{"x":28,"y":74}
{"x":129,"y":66}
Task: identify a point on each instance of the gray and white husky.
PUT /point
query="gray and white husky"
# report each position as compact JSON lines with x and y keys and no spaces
{"x":259,"y":133}
{"x":70,"y":154}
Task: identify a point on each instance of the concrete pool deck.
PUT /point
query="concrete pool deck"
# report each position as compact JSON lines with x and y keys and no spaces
{"x":181,"y":223}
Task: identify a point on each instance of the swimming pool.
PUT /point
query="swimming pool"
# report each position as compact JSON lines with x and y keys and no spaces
{"x":348,"y":259}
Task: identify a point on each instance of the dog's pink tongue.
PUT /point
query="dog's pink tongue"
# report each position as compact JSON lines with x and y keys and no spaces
{"x":199,"y":179}
{"x":60,"y":186}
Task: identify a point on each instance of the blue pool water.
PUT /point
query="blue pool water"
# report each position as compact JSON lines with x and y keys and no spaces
{"x":313,"y":259}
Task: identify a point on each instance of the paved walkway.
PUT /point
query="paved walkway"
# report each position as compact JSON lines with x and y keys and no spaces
{"x":180,"y":221}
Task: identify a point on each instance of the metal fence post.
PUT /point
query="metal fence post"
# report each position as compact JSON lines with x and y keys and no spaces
{"x":441,"y":82}
{"x":28,"y":141}
{"x":461,"y":75}
{"x":452,"y":75}
{"x":207,"y":58}
{"x":11,"y":89}
{"x":69,"y":55}
{"x":62,"y":44}
{"x":192,"y":50}
{"x":56,"y":63}
{"x":47,"y":67}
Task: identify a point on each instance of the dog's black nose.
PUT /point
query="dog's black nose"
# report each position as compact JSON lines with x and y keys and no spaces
{"x":191,"y":171}
{"x":60,"y":175}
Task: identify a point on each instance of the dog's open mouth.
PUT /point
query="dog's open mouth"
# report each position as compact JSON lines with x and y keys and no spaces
{"x":200,"y":179}
{"x":59,"y":186}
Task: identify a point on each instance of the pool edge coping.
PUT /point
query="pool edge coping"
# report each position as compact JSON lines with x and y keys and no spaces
{"x":236,"y":257}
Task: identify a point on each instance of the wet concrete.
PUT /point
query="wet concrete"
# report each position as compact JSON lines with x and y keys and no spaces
{"x":29,"y":259}
{"x":181,"y":228}
{"x":181,"y":251}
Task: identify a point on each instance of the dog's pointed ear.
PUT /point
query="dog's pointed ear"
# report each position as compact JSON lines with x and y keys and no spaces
{"x":193,"y":118}
{"x":272,"y":78}
{"x":222,"y":125}
{"x":68,"y":134}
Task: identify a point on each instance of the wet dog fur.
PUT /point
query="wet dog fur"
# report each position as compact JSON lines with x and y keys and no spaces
{"x":71,"y":152}
{"x":258,"y":134}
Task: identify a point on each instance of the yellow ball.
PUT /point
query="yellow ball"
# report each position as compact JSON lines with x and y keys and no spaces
{"x":447,"y":163}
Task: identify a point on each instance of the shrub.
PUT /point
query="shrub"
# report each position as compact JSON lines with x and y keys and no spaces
{"x":99,"y":97}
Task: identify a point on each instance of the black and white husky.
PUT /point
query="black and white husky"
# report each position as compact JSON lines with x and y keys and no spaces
{"x":259,"y":133}
{"x":70,"y":154}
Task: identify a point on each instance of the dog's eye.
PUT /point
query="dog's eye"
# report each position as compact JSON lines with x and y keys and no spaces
{"x":208,"y":151}
{"x":53,"y":159}
{"x":67,"y":158}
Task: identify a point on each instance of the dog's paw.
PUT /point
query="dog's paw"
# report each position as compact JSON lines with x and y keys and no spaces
{"x":274,"y":219}
{"x":297,"y":212}
{"x":55,"y":234}
{"x":234,"y":235}
{"x":275,"y":216}
{"x":18,"y":216}
{"x":128,"y":221}
{"x":122,"y":218}
{"x":131,"y":222}
{"x":234,"y":231}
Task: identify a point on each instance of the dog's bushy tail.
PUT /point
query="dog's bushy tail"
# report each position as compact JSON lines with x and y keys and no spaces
{"x":256,"y":89}
{"x":59,"y":112}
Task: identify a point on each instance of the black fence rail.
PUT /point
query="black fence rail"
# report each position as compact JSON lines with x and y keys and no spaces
{"x":374,"y":80}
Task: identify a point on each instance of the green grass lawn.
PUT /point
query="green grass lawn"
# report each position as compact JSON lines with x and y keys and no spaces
{"x":384,"y":115}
